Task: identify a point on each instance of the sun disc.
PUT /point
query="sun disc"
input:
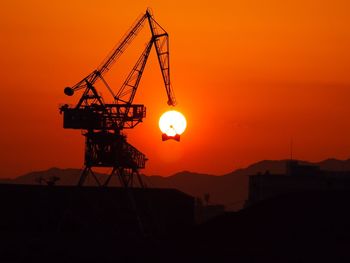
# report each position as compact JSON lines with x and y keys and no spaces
{"x":172,"y":123}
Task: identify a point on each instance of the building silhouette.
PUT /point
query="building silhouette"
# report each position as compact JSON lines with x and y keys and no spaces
{"x":125,"y":212}
{"x":298,"y":178}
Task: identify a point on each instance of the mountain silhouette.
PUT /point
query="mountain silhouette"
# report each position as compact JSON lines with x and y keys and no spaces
{"x":230,"y":189}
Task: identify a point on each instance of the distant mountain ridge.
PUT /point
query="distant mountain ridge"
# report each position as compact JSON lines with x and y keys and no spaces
{"x":230,"y":189}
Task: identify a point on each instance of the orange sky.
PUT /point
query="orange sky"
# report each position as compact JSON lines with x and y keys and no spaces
{"x":248,"y":75}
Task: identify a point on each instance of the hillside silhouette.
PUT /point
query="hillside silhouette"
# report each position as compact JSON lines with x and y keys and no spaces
{"x":229,"y":189}
{"x":308,"y":226}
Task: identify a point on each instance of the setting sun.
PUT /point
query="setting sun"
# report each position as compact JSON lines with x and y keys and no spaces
{"x":172,"y":123}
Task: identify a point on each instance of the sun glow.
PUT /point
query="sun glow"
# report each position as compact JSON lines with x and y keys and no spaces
{"x":172,"y":123}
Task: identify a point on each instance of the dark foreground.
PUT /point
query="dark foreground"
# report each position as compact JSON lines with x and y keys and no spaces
{"x":304,"y":227}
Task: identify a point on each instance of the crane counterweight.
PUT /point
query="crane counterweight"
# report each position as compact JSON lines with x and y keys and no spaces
{"x":69,"y":91}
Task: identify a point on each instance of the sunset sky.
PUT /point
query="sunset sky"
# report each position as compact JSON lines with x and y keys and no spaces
{"x":250,"y":76}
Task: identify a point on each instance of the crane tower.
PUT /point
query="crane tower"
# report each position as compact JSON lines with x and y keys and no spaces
{"x":103,"y":123}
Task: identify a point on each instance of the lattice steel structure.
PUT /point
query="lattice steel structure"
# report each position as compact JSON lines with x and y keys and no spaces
{"x":102,"y":123}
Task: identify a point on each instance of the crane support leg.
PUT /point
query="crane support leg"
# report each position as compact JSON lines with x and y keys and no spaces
{"x":87,"y":170}
{"x":126,"y":177}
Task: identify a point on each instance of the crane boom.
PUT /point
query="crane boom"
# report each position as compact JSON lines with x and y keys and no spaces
{"x":131,"y":83}
{"x":105,"y":66}
{"x":161,"y":43}
{"x":108,"y":62}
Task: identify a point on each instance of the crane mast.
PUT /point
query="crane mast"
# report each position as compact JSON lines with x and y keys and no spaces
{"x":102,"y":123}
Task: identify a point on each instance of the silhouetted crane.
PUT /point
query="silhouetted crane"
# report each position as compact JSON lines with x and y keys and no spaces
{"x":105,"y":144}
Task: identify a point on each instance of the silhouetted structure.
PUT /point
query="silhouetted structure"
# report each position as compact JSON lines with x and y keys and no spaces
{"x":34,"y":208}
{"x":103,"y":123}
{"x":298,"y":178}
{"x":205,"y":211}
